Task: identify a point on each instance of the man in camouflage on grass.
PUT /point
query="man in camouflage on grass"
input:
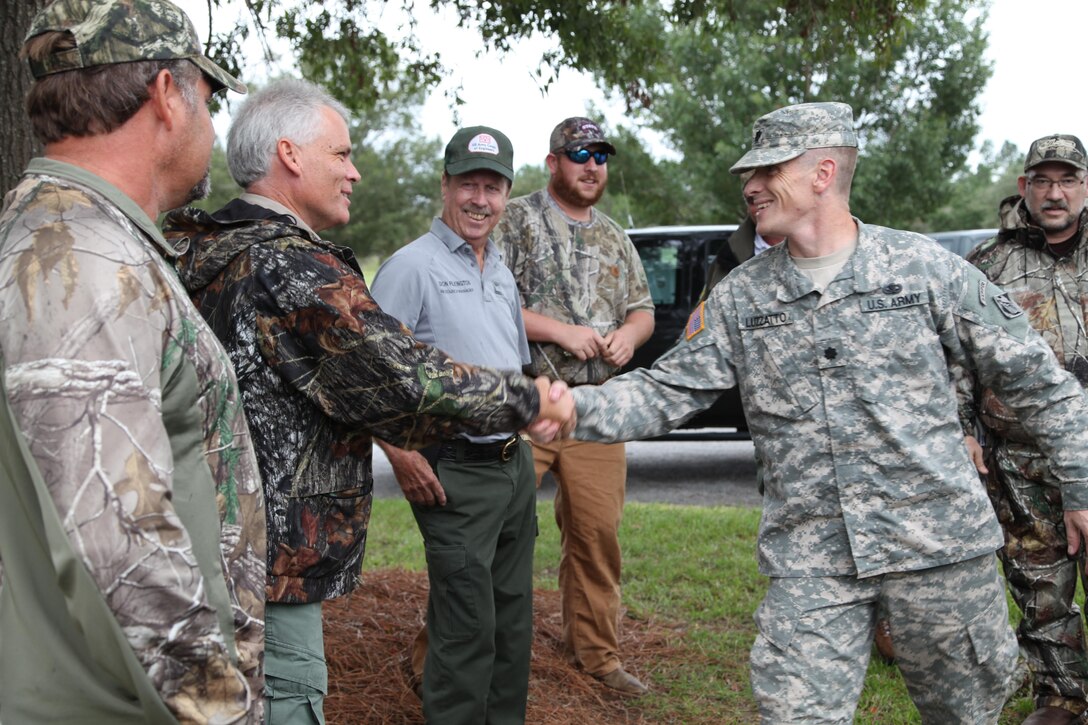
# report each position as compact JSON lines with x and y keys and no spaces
{"x":587,"y":307}
{"x":322,"y":369}
{"x":133,"y":584}
{"x":841,"y":341}
{"x":1040,"y":257}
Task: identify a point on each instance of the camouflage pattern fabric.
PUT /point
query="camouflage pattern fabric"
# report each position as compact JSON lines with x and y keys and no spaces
{"x":850,"y":406}
{"x":788,"y":132}
{"x":122,"y":31}
{"x":99,"y":338}
{"x":583,"y":274}
{"x":956,"y":653}
{"x":322,"y":369}
{"x":1026,"y":494}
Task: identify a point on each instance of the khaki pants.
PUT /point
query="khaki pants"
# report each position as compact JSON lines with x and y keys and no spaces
{"x":591,"y":479}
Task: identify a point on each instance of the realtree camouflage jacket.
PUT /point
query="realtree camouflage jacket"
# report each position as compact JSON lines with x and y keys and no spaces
{"x":322,"y":369}
{"x":585,"y":274}
{"x":850,"y":405}
{"x":131,"y":410}
{"x":1053,"y":291}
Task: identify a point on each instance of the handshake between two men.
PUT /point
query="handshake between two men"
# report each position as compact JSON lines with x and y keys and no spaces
{"x":557,"y":416}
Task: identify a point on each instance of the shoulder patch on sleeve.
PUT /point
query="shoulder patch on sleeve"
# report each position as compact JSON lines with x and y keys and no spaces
{"x":696,"y":321}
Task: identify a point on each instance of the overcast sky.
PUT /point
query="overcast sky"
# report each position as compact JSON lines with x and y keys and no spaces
{"x":1022,"y":102}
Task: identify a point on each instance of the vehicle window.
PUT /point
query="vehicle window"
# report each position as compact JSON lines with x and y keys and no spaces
{"x":660,"y":259}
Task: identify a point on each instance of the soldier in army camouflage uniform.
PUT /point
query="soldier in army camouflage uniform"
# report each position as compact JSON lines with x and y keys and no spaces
{"x":842,"y":342}
{"x":322,"y":368}
{"x":1040,"y":257}
{"x":151,"y":608}
{"x":587,"y":307}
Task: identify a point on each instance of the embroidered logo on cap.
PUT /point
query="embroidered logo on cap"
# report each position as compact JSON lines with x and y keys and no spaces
{"x":483,"y":143}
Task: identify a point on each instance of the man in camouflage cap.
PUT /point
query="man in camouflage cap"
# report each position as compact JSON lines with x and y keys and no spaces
{"x":127,"y":402}
{"x":587,"y":307}
{"x":842,"y":341}
{"x":1040,"y":257}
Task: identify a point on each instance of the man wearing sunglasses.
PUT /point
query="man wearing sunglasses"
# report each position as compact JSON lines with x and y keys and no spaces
{"x":1040,"y":258}
{"x":587,"y":307}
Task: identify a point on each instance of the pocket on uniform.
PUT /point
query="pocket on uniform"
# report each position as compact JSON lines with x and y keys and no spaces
{"x":456,"y":611}
{"x":990,"y":633}
{"x":986,"y":636}
{"x":776,"y":620}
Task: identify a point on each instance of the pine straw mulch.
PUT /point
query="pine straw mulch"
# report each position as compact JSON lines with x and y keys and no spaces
{"x":368,"y":635}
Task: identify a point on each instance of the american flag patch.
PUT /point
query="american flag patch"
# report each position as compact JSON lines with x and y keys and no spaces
{"x":695,"y":322}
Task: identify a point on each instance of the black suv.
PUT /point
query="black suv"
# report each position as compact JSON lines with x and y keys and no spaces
{"x":676,"y":260}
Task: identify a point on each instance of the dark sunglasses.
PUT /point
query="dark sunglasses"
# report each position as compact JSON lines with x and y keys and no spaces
{"x":582,"y":156}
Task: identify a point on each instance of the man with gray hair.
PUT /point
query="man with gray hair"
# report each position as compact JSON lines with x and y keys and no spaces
{"x":131,"y":513}
{"x":1040,"y":257}
{"x":842,"y":341}
{"x":322,"y":369}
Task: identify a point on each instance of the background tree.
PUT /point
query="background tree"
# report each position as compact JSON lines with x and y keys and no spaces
{"x":913,"y":90}
{"x":977,"y":193}
{"x":17,"y":142}
{"x":344,"y":45}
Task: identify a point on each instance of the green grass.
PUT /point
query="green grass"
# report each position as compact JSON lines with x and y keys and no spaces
{"x":693,"y":567}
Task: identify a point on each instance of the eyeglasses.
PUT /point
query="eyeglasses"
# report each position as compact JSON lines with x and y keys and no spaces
{"x":582,"y":156}
{"x":1042,"y":183}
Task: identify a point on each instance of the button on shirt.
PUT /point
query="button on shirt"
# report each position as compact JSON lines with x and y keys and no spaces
{"x":851,"y":406}
{"x":436,"y":288}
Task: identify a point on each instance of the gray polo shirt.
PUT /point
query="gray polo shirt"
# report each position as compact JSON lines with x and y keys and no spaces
{"x":435,"y":287}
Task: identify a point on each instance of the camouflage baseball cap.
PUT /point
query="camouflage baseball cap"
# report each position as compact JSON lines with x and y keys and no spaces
{"x":1060,"y":147}
{"x":577,"y":133}
{"x":480,"y":147}
{"x":121,"y":31}
{"x":791,"y":131}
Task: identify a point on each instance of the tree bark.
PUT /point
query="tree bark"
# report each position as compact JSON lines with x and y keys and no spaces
{"x":17,"y":142}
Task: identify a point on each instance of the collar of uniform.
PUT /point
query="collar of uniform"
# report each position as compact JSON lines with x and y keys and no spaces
{"x":453,"y":242}
{"x":866,"y":266}
{"x":128,"y":207}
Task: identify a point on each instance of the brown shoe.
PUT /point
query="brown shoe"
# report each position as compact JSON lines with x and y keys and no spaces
{"x":1051,"y":716}
{"x":624,"y":683}
{"x":883,"y":641}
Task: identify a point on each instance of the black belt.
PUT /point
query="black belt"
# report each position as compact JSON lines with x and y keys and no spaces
{"x":461,"y":450}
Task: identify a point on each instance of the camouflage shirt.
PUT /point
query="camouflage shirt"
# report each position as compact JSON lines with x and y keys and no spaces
{"x":322,"y":369}
{"x":109,"y":370}
{"x":850,"y":403}
{"x":580,"y":273}
{"x":1053,"y":291}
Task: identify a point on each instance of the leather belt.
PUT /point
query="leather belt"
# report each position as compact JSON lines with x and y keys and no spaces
{"x":461,"y":450}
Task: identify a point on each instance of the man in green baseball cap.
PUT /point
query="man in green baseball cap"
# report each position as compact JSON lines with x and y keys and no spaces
{"x":478,"y":502}
{"x":133,"y":540}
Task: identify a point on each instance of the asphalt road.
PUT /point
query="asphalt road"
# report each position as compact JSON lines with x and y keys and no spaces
{"x":698,"y":473}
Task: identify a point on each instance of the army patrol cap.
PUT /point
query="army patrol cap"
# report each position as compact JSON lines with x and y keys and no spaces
{"x":576,"y":133}
{"x":791,"y":131}
{"x":122,"y":31}
{"x":479,"y":147}
{"x":1059,"y":147}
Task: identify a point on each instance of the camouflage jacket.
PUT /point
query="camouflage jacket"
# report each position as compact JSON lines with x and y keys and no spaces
{"x":1053,"y":291}
{"x":850,"y":404}
{"x":131,"y":410}
{"x":580,"y":273}
{"x":322,"y":368}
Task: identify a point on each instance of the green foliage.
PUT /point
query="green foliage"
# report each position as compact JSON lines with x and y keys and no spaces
{"x":913,"y":92}
{"x":976,"y":194}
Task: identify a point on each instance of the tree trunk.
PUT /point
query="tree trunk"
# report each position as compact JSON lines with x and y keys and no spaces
{"x":17,"y":142}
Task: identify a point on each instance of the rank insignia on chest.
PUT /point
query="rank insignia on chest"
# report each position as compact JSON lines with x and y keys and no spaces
{"x":696,"y":322}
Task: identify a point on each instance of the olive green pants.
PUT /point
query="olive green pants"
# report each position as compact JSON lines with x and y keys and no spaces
{"x":480,"y":608}
{"x":296,"y":676}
